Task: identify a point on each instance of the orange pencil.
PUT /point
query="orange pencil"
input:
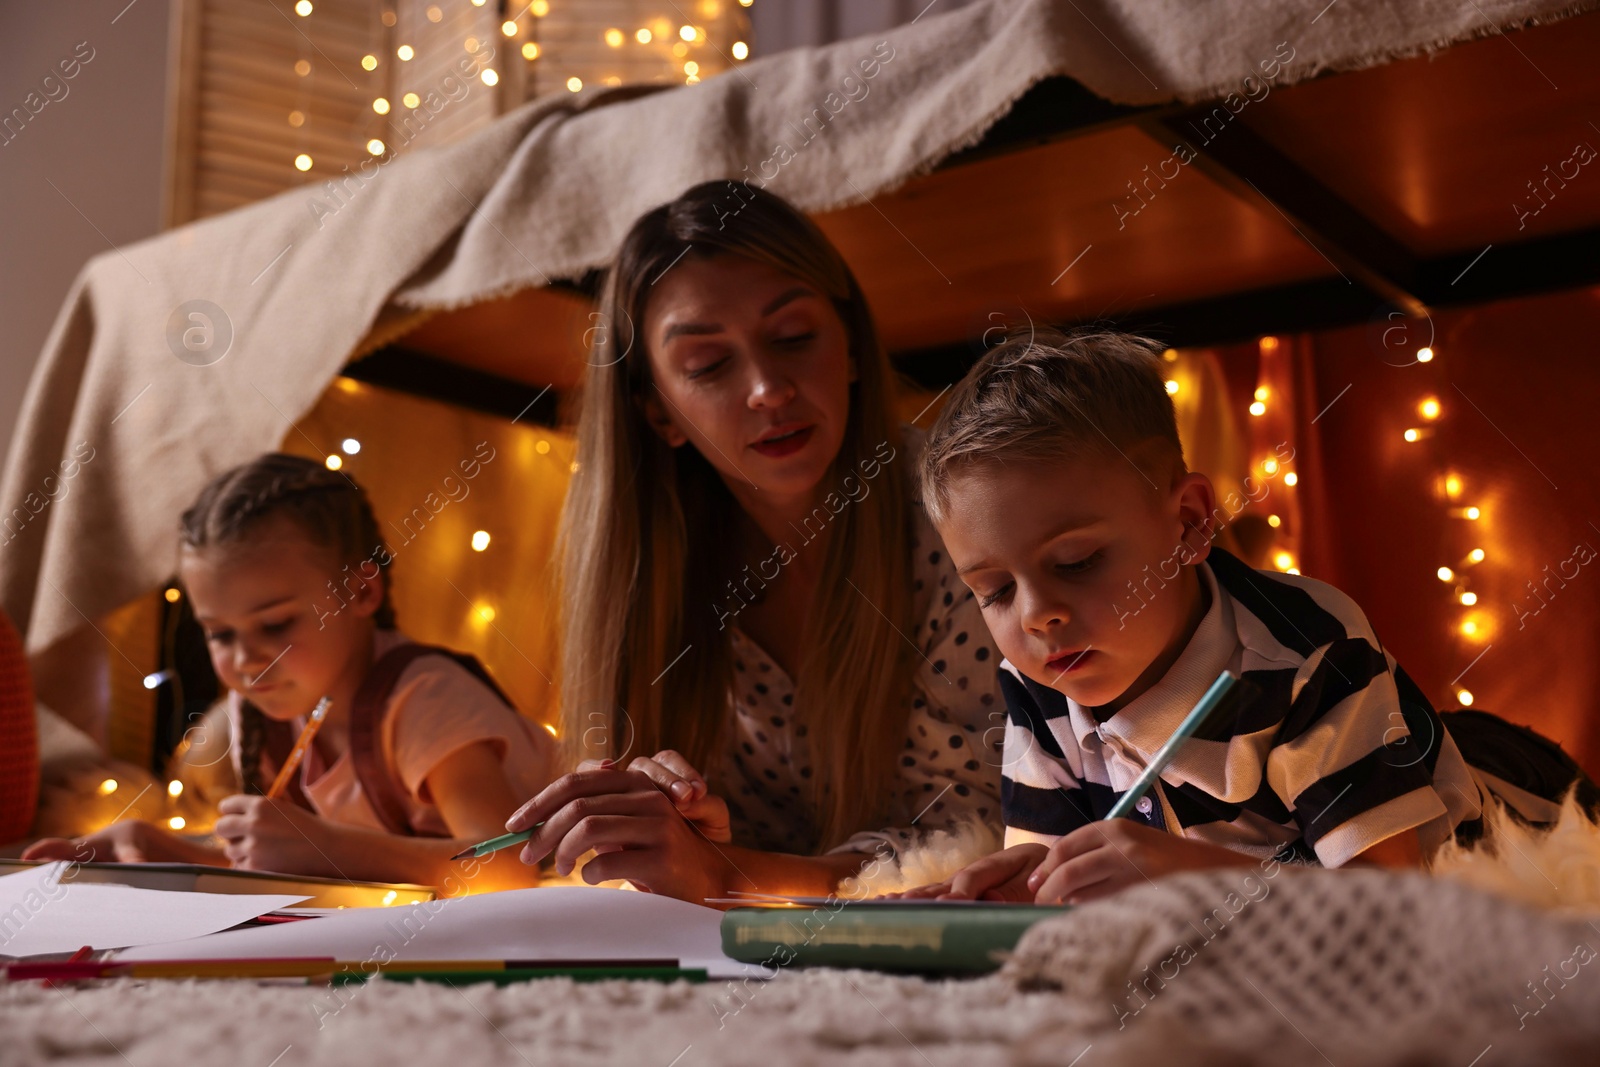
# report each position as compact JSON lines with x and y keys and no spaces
{"x":297,"y":753}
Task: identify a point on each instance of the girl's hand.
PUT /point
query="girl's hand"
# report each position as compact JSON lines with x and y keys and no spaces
{"x":129,"y":841}
{"x":676,"y":777}
{"x":638,"y":831}
{"x":259,"y":834}
{"x":1104,"y":857}
{"x":1001,"y":876}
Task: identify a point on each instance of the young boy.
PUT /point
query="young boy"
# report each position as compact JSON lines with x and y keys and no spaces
{"x":1056,"y":477}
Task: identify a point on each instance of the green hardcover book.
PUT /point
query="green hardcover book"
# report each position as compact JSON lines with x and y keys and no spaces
{"x":922,"y":937}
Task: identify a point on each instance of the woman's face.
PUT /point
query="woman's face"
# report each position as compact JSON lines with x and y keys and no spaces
{"x":751,"y":367}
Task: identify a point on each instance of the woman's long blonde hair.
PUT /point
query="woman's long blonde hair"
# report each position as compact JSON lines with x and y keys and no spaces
{"x":644,"y":536}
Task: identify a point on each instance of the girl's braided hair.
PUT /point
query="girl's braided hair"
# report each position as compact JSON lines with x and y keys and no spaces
{"x":332,"y":510}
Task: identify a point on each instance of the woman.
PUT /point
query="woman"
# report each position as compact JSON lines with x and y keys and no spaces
{"x":748,"y":588}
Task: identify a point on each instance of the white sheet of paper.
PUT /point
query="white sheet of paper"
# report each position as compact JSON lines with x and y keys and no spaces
{"x":554,"y":923}
{"x":40,"y":914}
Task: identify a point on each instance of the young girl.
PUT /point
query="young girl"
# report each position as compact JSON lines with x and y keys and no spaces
{"x":419,"y":754}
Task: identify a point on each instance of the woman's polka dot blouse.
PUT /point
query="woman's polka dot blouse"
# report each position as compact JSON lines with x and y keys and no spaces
{"x":949,"y":764}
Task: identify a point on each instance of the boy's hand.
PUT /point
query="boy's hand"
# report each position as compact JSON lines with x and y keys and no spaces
{"x":1000,"y":876}
{"x":1099,"y":859}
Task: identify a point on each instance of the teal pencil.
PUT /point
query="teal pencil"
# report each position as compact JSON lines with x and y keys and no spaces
{"x":1186,"y":729}
{"x":495,"y":844}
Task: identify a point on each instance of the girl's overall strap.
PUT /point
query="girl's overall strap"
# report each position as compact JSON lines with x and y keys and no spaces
{"x":383,"y":790}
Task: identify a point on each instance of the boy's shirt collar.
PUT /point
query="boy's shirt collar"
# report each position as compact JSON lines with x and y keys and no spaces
{"x":1147,"y":721}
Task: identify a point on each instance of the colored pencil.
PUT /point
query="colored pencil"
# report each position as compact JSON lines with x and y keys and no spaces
{"x":1186,"y":729}
{"x":298,"y":752}
{"x":495,"y":844}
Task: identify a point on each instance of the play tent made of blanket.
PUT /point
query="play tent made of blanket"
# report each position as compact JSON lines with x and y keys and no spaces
{"x":1299,"y":198}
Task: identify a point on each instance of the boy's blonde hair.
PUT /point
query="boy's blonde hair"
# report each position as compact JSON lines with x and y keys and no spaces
{"x":1052,"y":395}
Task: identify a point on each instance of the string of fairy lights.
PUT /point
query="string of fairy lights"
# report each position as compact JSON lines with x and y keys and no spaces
{"x":1462,"y":553}
{"x":671,"y":45}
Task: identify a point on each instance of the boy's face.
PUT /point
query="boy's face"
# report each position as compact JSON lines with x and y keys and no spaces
{"x":276,"y":633}
{"x":1049,"y":548}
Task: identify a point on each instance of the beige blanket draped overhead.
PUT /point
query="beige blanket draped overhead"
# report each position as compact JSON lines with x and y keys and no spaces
{"x":117,"y":433}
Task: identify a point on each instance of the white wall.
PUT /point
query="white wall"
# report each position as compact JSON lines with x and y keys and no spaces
{"x":81,"y":175}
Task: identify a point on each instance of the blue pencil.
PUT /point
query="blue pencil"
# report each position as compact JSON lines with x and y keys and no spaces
{"x":1186,"y":729}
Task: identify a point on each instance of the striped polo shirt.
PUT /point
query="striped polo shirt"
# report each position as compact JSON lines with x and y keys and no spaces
{"x":1325,"y":746}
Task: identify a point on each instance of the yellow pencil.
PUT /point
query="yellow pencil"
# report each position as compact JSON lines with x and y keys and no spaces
{"x":297,"y":753}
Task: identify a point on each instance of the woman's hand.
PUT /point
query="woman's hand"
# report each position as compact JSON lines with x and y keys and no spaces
{"x":260,"y":834}
{"x":638,"y":831}
{"x":1105,"y":857}
{"x":1001,"y":876}
{"x":676,"y":777}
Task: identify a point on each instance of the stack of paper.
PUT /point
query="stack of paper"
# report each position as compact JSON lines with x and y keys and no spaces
{"x":42,"y":914}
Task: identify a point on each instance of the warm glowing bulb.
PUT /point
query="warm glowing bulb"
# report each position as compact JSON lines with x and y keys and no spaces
{"x":381,"y":106}
{"x":1470,"y":627}
{"x":1469,"y":598}
{"x":542,"y":447}
{"x":486,"y":613}
{"x":435,"y":13}
{"x":297,"y":119}
{"x":539,"y":8}
{"x":686,"y":32}
{"x":1464,"y":697}
{"x":333,"y":462}
{"x":302,"y":162}
{"x":574,"y":84}
{"x":692,"y":79}
{"x":405,"y":52}
{"x":174,"y":788}
{"x":1424,"y":355}
{"x":390,"y":897}
{"x":1261,"y":392}
{"x":1258,"y":408}
{"x":489,"y":76}
{"x":1269,"y":344}
{"x":746,"y":3}
{"x":644,"y":36}
{"x":303,"y":8}
{"x":1476,"y":555}
{"x":740,"y":50}
{"x":1283,"y":561}
{"x":1170,"y":355}
{"x":614,"y":38}
{"x":1292,"y":570}
{"x":173,"y":596}
{"x":1429,"y":408}
{"x":480,"y":540}
{"x":177,"y":822}
{"x":108,"y":787}
{"x":1270,"y":466}
{"x":375,"y":147}
{"x":1452,"y":486}
{"x":1446,"y":574}
{"x":350,"y":446}
{"x":369,"y":62}
{"x":680,"y":49}
{"x":411,"y":100}
{"x":1291,"y":479}
{"x":508,"y":28}
{"x":552,"y":730}
{"x":1172,"y":387}
{"x":1274,"y":521}
{"x":1413,"y":435}
{"x":302,"y":67}
{"x":1472,"y":513}
{"x":691,"y":68}
{"x":574,"y":467}
{"x":530,"y":50}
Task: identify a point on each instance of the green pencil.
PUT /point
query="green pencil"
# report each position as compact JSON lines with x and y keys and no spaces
{"x":495,"y":844}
